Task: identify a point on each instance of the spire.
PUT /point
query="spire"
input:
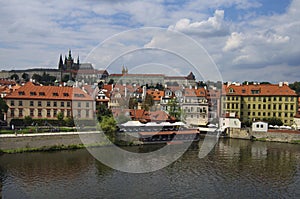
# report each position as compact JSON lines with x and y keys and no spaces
{"x":60,"y":63}
{"x":123,"y":70}
{"x":65,"y":59}
{"x":78,"y":60}
{"x":70,"y":55}
{"x":126,"y":70}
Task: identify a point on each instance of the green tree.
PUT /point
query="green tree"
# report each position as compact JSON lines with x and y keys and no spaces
{"x":275,"y":121}
{"x":25,"y":76}
{"x":109,"y":127}
{"x":296,"y":87}
{"x":15,"y":77}
{"x":60,"y":117}
{"x":3,"y":108}
{"x":173,"y":109}
{"x":133,"y":103}
{"x":28,"y":120}
{"x":69,"y":121}
{"x":102,"y":111}
{"x":148,"y":102}
{"x":37,"y":77}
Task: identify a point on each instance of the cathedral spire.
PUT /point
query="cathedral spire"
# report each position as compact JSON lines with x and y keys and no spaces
{"x":70,"y":55}
{"x":78,"y":60}
{"x":60,"y":63}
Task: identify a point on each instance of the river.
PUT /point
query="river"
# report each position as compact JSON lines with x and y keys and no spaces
{"x":233,"y":169}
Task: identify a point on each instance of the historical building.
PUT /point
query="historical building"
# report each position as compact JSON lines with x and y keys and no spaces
{"x":152,"y":79}
{"x":47,"y":101}
{"x":260,"y":102}
{"x":74,"y":70}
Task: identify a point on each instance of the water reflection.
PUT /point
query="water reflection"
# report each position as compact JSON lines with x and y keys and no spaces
{"x":234,"y":168}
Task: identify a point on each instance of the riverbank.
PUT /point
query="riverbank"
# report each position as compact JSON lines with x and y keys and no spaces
{"x":272,"y":135}
{"x":11,"y":143}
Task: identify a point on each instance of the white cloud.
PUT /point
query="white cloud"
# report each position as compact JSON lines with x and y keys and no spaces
{"x":233,"y":42}
{"x":213,"y":26}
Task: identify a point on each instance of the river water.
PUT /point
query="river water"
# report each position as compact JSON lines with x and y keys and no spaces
{"x":233,"y":169}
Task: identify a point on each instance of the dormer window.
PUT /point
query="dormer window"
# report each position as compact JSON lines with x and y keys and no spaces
{"x":243,"y":91}
{"x":21,"y":93}
{"x":55,"y":94}
{"x":255,"y":91}
{"x":231,"y":90}
{"x":41,"y":93}
{"x":66,"y":94}
{"x":32,"y":93}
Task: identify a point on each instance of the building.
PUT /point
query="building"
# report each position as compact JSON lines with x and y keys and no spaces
{"x":260,"y":127}
{"x":46,"y":102}
{"x":69,"y":69}
{"x":195,"y":106}
{"x":260,"y":102}
{"x":152,"y":79}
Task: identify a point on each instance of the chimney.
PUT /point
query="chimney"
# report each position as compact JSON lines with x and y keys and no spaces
{"x":280,"y":84}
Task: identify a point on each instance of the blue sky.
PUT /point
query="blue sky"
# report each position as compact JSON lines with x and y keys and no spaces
{"x":247,"y":39}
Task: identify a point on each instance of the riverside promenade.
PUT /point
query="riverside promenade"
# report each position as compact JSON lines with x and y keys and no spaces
{"x":47,"y":140}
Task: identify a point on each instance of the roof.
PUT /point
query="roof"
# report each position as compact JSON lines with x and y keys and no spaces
{"x":32,"y":91}
{"x":156,"y":94}
{"x":199,"y":92}
{"x":137,"y":75}
{"x":259,"y":90}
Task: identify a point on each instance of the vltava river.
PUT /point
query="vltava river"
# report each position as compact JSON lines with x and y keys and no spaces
{"x":234,"y":169}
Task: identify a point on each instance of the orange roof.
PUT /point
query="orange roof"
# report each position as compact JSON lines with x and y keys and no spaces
{"x":259,"y":90}
{"x":157,"y":95}
{"x":32,"y":91}
{"x":200,"y":92}
{"x":161,"y":116}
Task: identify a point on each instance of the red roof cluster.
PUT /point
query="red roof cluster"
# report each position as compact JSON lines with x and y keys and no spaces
{"x":32,"y":91}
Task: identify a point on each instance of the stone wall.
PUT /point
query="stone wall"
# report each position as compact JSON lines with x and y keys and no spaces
{"x":275,"y":136}
{"x":39,"y":141}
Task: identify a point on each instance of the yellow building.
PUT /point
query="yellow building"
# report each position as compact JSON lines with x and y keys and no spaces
{"x":260,"y":102}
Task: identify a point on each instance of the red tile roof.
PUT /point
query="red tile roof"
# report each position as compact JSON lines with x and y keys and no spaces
{"x":199,"y":92}
{"x":32,"y":91}
{"x":259,"y":90}
{"x":157,"y":95}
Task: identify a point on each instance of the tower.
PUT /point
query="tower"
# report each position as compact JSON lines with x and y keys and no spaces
{"x":60,"y":63}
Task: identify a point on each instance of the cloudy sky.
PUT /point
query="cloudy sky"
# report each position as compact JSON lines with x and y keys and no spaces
{"x":246,"y":39}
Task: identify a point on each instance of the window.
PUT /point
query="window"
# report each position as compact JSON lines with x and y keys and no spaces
{"x":259,"y":106}
{"x":87,"y":113}
{"x":269,"y":114}
{"x":31,"y":112}
{"x":274,"y":106}
{"x":39,"y":103}
{"x":32,"y":93}
{"x":62,"y":104}
{"x":12,"y":112}
{"x":257,"y":125}
{"x":269,"y":106}
{"x":258,"y":113}
{"x":292,"y":106}
{"x":280,"y":98}
{"x":20,"y":112}
{"x":41,"y":93}
{"x":48,"y":113}
{"x":248,"y":106}
{"x":20,"y":103}
{"x":79,"y":104}
{"x":55,"y":104}
{"x":286,"y":107}
{"x":66,"y":94}
{"x":68,"y":104}
{"x":21,"y":93}
{"x":253,"y":113}
{"x":54,"y":113}
{"x":254,"y":106}
{"x":68,"y":113}
{"x":48,"y":103}
{"x":31,"y":103}
{"x":78,"y":113}
{"x":87,"y":104}
{"x":274,"y":98}
{"x":55,"y":94}
{"x":274,"y":114}
{"x":286,"y":98}
{"x":279,"y":106}
{"x":264,"y":106}
{"x":12,"y":102}
{"x":39,"y":112}
{"x":264,"y":114}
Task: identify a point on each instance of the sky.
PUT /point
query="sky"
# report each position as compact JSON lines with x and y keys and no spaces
{"x":254,"y":40}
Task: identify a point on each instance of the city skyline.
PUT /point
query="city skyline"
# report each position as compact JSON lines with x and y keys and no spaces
{"x":248,"y":40}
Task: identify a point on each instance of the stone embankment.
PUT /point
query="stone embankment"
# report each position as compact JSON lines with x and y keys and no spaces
{"x":273,"y":135}
{"x":47,"y":140}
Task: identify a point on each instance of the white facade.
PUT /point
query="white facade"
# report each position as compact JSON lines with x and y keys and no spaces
{"x":260,"y":126}
{"x":229,"y":123}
